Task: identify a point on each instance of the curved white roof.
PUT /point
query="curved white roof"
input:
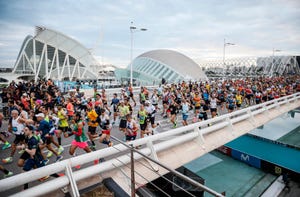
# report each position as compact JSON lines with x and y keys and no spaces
{"x":66,"y":44}
{"x":179,"y":62}
{"x":53,"y":54}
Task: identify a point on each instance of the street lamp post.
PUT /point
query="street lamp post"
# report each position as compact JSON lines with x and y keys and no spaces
{"x":133,"y":29}
{"x":224,"y":46}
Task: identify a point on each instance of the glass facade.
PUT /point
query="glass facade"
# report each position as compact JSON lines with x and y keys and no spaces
{"x":149,"y":68}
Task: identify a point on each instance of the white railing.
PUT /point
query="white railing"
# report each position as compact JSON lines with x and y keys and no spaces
{"x":153,"y":144}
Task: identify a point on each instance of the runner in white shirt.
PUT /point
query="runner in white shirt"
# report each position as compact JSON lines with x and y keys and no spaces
{"x":150,"y":109}
{"x":17,"y":126}
{"x":213,"y":105}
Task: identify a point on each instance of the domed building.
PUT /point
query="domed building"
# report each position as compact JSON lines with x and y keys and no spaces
{"x":153,"y":66}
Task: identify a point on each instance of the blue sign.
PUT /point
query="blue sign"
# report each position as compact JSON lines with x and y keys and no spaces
{"x":253,"y":161}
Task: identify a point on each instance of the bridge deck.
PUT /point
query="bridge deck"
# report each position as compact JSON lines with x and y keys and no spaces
{"x":171,"y":148}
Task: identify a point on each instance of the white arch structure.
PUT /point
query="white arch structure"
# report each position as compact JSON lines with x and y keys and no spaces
{"x":51,"y":54}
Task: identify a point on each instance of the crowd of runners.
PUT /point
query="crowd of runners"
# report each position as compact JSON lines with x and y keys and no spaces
{"x":40,"y":117}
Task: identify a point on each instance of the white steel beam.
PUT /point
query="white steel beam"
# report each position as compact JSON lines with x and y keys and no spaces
{"x":40,"y":64}
{"x":46,"y":61}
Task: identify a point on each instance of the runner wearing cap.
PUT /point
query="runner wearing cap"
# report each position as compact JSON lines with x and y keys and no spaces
{"x":44,"y":129}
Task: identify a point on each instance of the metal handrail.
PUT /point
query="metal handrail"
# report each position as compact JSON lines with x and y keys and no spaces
{"x":182,"y":176}
{"x":57,"y":183}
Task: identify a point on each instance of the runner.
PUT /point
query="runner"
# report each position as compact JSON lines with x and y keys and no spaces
{"x":92,"y":121}
{"x":114,"y":103}
{"x":197,"y":105}
{"x":130,"y":89}
{"x":213,"y":105}
{"x":142,"y":116}
{"x":123,"y":112}
{"x":239,"y":99}
{"x":63,"y":124}
{"x":4,"y":134}
{"x":106,"y":127}
{"x":53,"y":122}
{"x":32,"y":157}
{"x":70,"y":109}
{"x":131,"y":128}
{"x":173,"y":111}
{"x":17,"y":126}
{"x":80,"y":139}
{"x":151,"y":110}
{"x":44,"y":129}
{"x":185,"y":111}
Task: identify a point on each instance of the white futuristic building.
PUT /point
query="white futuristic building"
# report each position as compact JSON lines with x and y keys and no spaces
{"x":253,"y":66}
{"x":50,"y":54}
{"x":153,"y":66}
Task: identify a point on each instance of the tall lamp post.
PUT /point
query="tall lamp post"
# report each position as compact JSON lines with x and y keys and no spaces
{"x":133,"y":29}
{"x":224,"y":46}
{"x":272,"y":65}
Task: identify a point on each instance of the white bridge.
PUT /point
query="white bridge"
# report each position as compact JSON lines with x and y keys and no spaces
{"x":173,"y":148}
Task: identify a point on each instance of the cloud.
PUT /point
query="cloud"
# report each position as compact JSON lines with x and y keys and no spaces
{"x":195,"y":28}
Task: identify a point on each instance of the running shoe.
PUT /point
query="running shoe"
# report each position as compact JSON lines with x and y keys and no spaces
{"x":60,"y":150}
{"x":50,"y":153}
{"x":44,"y":178}
{"x":175,"y":125}
{"x":59,"y":158}
{"x":46,"y":161}
{"x":6,"y":146}
{"x":8,"y":174}
{"x":7,"y":160}
{"x":93,"y":148}
{"x":21,"y":152}
{"x":110,"y":144}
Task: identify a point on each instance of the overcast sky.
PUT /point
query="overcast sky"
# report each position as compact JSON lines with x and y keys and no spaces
{"x":195,"y":28}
